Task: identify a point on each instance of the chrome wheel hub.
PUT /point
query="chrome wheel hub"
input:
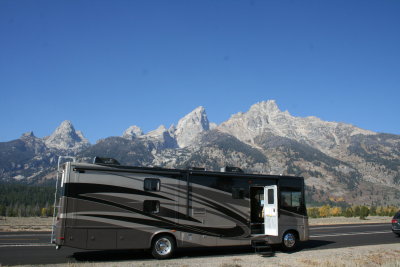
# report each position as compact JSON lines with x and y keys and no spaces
{"x":163,"y":246}
{"x":289,"y":240}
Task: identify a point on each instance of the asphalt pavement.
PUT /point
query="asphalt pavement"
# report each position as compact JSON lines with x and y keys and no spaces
{"x":35,"y":248}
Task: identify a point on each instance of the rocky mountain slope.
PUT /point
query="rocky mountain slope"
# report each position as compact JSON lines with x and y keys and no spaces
{"x":340,"y":162}
{"x":29,"y":158}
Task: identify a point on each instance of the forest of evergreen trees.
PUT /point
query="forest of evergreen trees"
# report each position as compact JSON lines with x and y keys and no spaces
{"x":19,"y":200}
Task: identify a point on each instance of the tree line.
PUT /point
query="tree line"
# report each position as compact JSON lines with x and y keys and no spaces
{"x":355,"y":211}
{"x":19,"y":200}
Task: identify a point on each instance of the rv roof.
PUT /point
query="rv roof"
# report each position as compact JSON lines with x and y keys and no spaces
{"x":159,"y":170}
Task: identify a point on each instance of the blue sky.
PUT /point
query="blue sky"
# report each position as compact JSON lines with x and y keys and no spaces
{"x":106,"y":65}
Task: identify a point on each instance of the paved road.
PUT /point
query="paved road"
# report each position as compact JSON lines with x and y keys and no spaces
{"x":24,"y":239}
{"x":337,"y":236}
{"x":34,"y":247}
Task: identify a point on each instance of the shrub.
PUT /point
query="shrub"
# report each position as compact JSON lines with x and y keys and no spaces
{"x":349,"y":213}
{"x":364,"y":212}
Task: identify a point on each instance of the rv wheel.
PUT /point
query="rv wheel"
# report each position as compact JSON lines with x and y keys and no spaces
{"x":289,"y":241}
{"x":163,"y":247}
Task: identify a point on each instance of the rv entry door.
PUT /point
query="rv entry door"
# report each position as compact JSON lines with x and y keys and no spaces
{"x":271,"y":210}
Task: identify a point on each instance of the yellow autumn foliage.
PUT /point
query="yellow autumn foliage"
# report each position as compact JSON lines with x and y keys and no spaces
{"x":324,"y":211}
{"x":336,"y":211}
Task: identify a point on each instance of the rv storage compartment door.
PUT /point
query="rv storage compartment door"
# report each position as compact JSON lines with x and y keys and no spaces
{"x":271,"y":210}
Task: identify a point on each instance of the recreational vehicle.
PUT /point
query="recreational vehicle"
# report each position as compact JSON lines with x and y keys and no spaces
{"x":108,"y":206}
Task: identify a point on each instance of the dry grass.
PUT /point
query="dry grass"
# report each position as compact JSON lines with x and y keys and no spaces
{"x":11,"y":224}
{"x":352,"y":220}
{"x":44,"y":224}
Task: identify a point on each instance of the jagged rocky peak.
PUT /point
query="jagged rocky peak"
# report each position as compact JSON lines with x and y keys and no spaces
{"x":157,"y":132}
{"x":28,"y":135}
{"x":267,"y":107}
{"x":261,"y":110}
{"x":30,"y":138}
{"x":33,"y":142}
{"x":190,"y":126}
{"x":132,"y":132}
{"x":261,"y":117}
{"x":65,"y":137}
{"x":266,"y":119}
{"x":160,"y":138}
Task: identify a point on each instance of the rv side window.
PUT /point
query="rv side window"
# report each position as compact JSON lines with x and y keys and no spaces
{"x":151,"y":206}
{"x":291,"y":200}
{"x":151,"y":184}
{"x":237,"y":193}
{"x":270,"y":196}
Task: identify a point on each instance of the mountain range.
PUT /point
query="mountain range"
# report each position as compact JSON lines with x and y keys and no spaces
{"x":341,"y":163}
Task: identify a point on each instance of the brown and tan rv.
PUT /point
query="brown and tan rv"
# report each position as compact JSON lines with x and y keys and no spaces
{"x":108,"y":206}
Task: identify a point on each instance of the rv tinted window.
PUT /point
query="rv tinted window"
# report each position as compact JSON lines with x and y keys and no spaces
{"x":270,"y":196}
{"x":151,"y":184}
{"x":237,"y":193}
{"x":290,"y":199}
{"x":151,"y":206}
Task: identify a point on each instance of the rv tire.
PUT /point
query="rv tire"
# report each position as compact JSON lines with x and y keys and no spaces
{"x":290,"y":241}
{"x":163,"y":247}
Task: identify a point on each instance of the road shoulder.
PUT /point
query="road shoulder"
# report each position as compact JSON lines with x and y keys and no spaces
{"x":376,"y":255}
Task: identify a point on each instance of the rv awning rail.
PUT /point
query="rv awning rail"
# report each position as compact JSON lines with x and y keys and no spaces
{"x":125,"y":169}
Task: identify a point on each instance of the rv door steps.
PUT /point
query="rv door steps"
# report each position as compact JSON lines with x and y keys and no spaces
{"x":262,"y":247}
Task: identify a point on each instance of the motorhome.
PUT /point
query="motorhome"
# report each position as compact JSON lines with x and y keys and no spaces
{"x":108,"y":206}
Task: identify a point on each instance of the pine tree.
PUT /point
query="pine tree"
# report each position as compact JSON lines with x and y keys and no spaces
{"x":349,"y":213}
{"x":2,"y":210}
{"x":364,"y":212}
{"x":357,"y":211}
{"x":372,"y":211}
